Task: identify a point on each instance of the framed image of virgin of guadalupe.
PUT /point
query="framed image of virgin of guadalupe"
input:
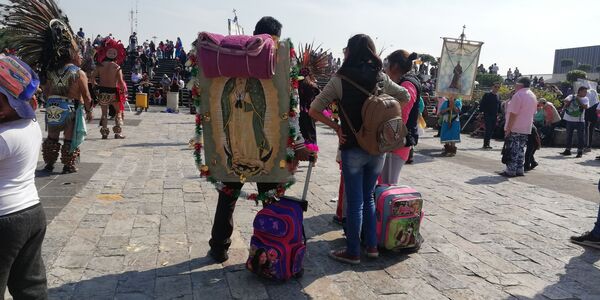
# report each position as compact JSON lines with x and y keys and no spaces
{"x":245,"y":123}
{"x":458,"y":67}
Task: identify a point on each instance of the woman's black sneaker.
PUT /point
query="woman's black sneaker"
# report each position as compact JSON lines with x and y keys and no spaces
{"x":587,"y":239}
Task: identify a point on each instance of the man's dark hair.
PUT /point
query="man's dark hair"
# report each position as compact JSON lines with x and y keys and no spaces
{"x":525,"y":81}
{"x":268,"y":25}
{"x":581,"y":88}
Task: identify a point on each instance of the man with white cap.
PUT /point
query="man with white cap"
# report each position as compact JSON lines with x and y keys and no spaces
{"x":22,"y":218}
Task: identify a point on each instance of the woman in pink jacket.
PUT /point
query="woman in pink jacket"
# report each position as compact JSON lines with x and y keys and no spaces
{"x":398,"y":65}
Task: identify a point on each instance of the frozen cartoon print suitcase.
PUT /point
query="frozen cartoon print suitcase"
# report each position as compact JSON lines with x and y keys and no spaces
{"x":399,"y":212}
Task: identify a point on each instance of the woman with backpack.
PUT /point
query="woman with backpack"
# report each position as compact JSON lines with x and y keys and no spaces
{"x":362,"y":69}
{"x":397,"y":66}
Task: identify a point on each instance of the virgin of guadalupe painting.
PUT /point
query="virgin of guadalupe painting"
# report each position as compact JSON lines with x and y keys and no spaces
{"x":247,"y":147}
{"x":245,"y":124}
{"x":458,"y":66}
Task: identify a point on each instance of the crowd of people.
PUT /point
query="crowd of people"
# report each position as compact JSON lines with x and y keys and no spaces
{"x":144,"y":59}
{"x":69,"y":102}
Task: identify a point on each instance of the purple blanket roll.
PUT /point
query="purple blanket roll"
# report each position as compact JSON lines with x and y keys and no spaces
{"x":236,"y":55}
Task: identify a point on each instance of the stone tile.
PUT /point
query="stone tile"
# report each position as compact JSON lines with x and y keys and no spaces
{"x":171,"y":287}
{"x":119,"y":225}
{"x":146,"y":221}
{"x":246,"y":285}
{"x":83,"y":239}
{"x":73,"y":260}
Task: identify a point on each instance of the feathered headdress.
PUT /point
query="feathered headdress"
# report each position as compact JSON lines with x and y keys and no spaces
{"x":312,"y":61}
{"x":111,"y":49}
{"x":39,"y":32}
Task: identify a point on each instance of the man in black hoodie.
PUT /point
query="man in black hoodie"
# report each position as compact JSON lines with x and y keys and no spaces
{"x":490,"y":105}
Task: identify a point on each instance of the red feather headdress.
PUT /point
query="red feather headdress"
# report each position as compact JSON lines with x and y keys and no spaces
{"x":104,"y":51}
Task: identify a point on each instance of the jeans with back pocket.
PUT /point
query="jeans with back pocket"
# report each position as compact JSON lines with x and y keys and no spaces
{"x":360,"y":170}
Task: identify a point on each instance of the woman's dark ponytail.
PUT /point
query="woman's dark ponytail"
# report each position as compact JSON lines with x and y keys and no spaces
{"x":402,"y":59}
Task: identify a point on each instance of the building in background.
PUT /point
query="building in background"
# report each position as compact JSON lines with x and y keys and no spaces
{"x":578,"y":56}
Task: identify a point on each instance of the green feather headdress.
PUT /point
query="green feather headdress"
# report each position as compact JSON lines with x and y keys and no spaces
{"x":39,"y":32}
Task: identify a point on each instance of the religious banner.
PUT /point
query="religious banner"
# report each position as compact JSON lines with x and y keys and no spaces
{"x":458,"y":67}
{"x":245,"y":124}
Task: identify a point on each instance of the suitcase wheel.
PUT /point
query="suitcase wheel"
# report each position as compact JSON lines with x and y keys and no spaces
{"x":299,"y":274}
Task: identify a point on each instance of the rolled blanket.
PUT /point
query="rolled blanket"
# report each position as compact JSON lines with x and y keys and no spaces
{"x":236,"y":55}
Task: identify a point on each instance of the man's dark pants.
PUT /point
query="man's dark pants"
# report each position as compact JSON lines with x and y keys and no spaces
{"x":596,"y":230}
{"x":579,"y":126}
{"x":490,"y":126}
{"x":21,"y":265}
{"x":531,"y":149}
{"x":590,"y":123}
{"x":223,"y":223}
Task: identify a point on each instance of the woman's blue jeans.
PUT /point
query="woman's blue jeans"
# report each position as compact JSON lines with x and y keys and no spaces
{"x":360,"y":171}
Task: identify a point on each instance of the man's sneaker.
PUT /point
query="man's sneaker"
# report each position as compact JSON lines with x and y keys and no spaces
{"x":218,"y":256}
{"x":372,"y":252}
{"x":342,"y":256}
{"x":579,"y":154}
{"x":586,"y":150}
{"x":587,"y":239}
{"x":566,"y":152}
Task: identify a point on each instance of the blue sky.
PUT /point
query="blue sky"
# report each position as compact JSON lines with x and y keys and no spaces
{"x":521,"y":33}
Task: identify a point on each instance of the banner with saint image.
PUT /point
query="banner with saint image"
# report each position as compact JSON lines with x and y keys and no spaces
{"x":458,"y":67}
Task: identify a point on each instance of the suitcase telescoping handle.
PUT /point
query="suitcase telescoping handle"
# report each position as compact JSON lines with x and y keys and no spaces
{"x":311,"y":163}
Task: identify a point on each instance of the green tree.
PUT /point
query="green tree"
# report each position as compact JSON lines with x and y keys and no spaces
{"x":487,"y":80}
{"x":597,"y":69}
{"x":426,"y":58}
{"x":573,"y":75}
{"x":584,"y":67}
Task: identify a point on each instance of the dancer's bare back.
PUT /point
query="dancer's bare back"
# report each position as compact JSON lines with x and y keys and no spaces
{"x":110,"y":75}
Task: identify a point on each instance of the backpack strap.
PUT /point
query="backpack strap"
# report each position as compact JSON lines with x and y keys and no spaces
{"x":347,"y":119}
{"x":360,"y":88}
{"x":356,"y":85}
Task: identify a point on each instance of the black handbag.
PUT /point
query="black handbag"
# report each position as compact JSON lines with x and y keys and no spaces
{"x":506,"y":152}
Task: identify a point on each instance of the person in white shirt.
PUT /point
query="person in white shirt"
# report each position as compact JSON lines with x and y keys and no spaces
{"x":575,"y":106}
{"x":22,"y":218}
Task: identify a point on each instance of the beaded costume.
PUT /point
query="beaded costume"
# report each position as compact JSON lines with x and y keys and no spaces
{"x":43,"y":38}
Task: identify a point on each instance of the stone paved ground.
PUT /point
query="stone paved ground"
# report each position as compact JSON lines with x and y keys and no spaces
{"x":139,"y":228}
